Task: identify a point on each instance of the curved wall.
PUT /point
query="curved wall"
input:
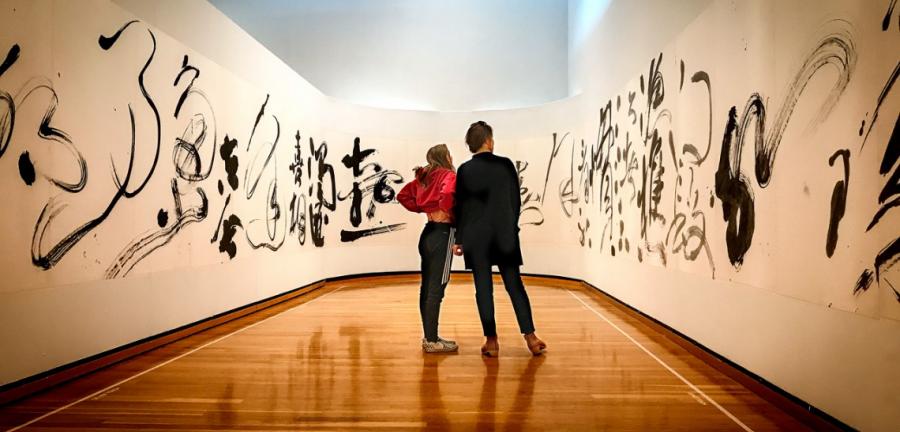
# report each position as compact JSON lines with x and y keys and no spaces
{"x":154,"y":187}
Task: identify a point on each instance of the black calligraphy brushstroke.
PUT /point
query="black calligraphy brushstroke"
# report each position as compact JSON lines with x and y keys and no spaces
{"x":354,"y":161}
{"x":185,"y":68}
{"x":221,"y":218}
{"x":688,"y":148}
{"x":554,"y":151}
{"x":142,"y":247}
{"x":11,"y":56}
{"x":273,"y":214}
{"x":253,"y":175}
{"x":45,"y":130}
{"x":317,"y":216}
{"x":892,"y":186}
{"x":26,"y":169}
{"x":106,"y":42}
{"x":226,"y":152}
{"x":652,"y":184}
{"x":350,"y":236}
{"x":731,"y":186}
{"x":892,"y":152}
{"x":259,"y":115}
{"x":375,"y":184}
{"x":298,"y":217}
{"x":296,"y":165}
{"x":229,"y":229}
{"x":250,"y":186}
{"x":887,"y":257}
{"x":152,"y":105}
{"x":838,"y":201}
{"x":7,"y":120}
{"x":531,"y":205}
{"x":864,"y":282}
{"x":52,"y":209}
{"x":881,"y":97}
{"x":837,"y":50}
{"x":886,"y":22}
{"x":733,"y":189}
{"x":185,"y":154}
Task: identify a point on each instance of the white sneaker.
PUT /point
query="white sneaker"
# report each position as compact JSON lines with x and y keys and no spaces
{"x":440,"y":339}
{"x":441,"y":346}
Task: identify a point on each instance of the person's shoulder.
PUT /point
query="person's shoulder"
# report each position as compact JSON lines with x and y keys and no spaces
{"x":504,"y":160}
{"x":442,"y":173}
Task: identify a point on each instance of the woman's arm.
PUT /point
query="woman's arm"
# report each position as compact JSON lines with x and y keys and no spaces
{"x":407,"y":196}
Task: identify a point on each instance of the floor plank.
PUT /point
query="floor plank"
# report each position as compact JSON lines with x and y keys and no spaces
{"x":351,"y":359}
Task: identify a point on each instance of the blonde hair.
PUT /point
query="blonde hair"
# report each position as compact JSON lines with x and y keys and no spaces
{"x":437,"y":157}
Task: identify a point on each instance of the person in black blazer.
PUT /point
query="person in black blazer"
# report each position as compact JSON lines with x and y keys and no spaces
{"x":487,"y":230}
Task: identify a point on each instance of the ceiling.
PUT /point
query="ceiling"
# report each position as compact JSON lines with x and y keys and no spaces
{"x":418,"y":54}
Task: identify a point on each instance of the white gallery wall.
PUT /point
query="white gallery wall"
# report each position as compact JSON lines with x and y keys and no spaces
{"x":739,"y":187}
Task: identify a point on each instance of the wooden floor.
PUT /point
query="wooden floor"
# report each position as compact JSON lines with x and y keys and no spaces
{"x":348,"y":356}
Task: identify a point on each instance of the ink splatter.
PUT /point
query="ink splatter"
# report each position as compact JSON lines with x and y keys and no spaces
{"x":162,"y":218}
{"x":864,"y":282}
{"x":26,"y":169}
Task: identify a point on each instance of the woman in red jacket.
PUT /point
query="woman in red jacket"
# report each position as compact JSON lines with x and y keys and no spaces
{"x":432,"y":193}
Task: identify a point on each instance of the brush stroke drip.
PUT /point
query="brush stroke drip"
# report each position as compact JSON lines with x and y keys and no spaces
{"x":888,"y":86}
{"x":838,"y":200}
{"x":351,"y":236}
{"x":11,"y":57}
{"x":44,"y":257}
{"x":142,"y":247}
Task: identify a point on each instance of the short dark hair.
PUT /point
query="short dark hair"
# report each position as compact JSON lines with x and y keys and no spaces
{"x":478,"y":133}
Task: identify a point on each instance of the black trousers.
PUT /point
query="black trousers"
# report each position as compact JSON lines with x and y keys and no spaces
{"x":484,"y":296}
{"x":434,"y":249}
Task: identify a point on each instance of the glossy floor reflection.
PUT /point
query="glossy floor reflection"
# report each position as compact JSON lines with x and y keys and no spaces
{"x":351,"y":359}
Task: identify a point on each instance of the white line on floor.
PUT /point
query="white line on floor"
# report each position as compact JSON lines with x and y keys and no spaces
{"x":669,"y":368}
{"x":105,"y":389}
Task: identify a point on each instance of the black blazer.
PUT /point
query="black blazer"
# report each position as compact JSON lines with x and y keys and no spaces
{"x":487,"y":210}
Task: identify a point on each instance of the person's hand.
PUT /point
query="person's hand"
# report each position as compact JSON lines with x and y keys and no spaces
{"x":457,"y":250}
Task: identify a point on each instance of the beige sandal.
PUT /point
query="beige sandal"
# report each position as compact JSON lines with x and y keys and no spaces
{"x":535,"y":345}
{"x":485,"y":351}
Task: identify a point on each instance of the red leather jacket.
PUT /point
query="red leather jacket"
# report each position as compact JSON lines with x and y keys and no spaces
{"x":435,"y":194}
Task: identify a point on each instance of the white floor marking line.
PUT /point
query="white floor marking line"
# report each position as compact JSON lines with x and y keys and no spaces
{"x":669,"y":368}
{"x":105,"y":389}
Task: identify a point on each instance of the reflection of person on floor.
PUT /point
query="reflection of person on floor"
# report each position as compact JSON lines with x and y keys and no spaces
{"x":432,"y":192}
{"x":487,"y":220}
{"x":431,"y":401}
{"x":517,"y":415}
